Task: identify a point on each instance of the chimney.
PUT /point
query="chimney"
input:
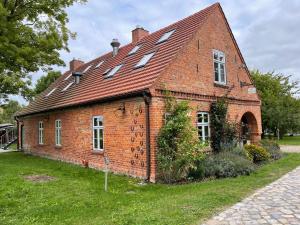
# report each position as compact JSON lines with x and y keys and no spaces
{"x":75,"y":64}
{"x":138,"y":33}
{"x":77,"y":76}
{"x":115,"y":44}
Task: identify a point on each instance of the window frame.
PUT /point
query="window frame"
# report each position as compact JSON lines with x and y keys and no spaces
{"x":41,"y":133}
{"x":218,"y":52}
{"x":58,"y":132}
{"x":113,"y":71}
{"x":51,"y":92}
{"x":203,"y":125}
{"x":134,"y":49}
{"x":99,"y":64}
{"x":98,"y":128}
{"x":166,"y":36}
{"x":139,"y":65}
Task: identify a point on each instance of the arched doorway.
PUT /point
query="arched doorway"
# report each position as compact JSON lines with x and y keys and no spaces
{"x":249,"y":128}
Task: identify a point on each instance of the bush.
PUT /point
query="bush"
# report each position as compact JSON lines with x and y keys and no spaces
{"x":257,"y":153}
{"x":272,"y":147}
{"x":227,"y":164}
{"x":241,"y":152}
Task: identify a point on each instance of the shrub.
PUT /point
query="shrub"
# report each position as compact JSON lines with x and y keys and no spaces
{"x":241,"y":152}
{"x":272,"y":147}
{"x":257,"y":153}
{"x":227,"y":164}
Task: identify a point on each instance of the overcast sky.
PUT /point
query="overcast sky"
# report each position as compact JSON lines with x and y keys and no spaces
{"x":267,"y":31}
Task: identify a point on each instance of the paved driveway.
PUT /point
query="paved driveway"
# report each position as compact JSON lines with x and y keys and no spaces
{"x":290,"y":148}
{"x":277,"y":203}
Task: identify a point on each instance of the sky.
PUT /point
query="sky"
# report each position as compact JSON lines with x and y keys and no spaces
{"x":267,"y":31}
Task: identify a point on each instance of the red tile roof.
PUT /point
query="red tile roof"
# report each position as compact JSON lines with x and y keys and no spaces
{"x":94,"y":86}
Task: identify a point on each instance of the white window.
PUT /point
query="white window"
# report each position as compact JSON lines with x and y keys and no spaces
{"x":144,"y":60}
{"x":58,"y":132}
{"x":86,"y":69}
{"x":68,"y":76}
{"x":66,"y":87}
{"x":99,"y":64}
{"x":51,"y":92}
{"x":165,"y":36}
{"x":219,"y":67}
{"x":41,"y":132}
{"x":134,"y":50}
{"x":98,"y":133}
{"x":203,"y":126}
{"x":114,"y":71}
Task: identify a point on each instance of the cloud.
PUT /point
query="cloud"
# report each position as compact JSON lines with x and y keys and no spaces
{"x":267,"y":31}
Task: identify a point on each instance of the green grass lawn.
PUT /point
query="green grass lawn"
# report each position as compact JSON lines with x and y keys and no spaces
{"x":77,"y":195}
{"x":286,"y":140}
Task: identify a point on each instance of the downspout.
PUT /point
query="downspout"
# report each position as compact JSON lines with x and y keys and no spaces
{"x":18,"y":140}
{"x":147,"y":100}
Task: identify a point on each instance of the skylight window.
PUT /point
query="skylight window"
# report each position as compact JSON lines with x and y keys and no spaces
{"x":68,"y":76}
{"x":69,"y":85}
{"x":106,"y":71}
{"x":165,"y":36}
{"x":86,"y":69}
{"x":144,"y":60}
{"x":50,"y":92}
{"x":134,"y":50}
{"x":99,"y":64}
{"x":114,"y":70}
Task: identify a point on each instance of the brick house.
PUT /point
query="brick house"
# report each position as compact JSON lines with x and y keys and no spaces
{"x":114,"y":104}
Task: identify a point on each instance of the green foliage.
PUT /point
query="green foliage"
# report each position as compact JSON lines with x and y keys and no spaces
{"x":178,"y":144}
{"x":257,"y":154}
{"x":280,"y":109}
{"x":9,"y":110}
{"x":272,"y":147}
{"x":223,"y":132}
{"x":44,"y":82}
{"x":227,"y":164}
{"x":31,"y":35}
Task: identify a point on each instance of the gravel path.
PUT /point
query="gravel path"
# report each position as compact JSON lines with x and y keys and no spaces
{"x":290,"y":148}
{"x":277,"y":203}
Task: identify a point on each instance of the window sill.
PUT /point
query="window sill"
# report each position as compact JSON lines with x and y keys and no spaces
{"x":97,"y":152}
{"x":58,"y":146}
{"x":221,"y":85}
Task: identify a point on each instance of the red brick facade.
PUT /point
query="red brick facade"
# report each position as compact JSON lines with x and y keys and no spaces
{"x":190,"y":76}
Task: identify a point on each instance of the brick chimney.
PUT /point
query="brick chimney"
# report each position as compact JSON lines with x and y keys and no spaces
{"x":75,"y":64}
{"x":138,"y":33}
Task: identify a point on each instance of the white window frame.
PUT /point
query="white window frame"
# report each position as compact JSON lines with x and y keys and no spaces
{"x":134,"y":49}
{"x":58,"y":132}
{"x":203,"y":124}
{"x":98,"y":128}
{"x":47,"y":95}
{"x":219,"y":63}
{"x":165,"y":36}
{"x":113,"y":71}
{"x":87,"y":68}
{"x":99,"y":64}
{"x":66,"y":87}
{"x":146,"y":58}
{"x":41,"y":132}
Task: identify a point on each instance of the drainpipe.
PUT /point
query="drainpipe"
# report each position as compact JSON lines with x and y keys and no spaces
{"x":147,"y":100}
{"x":18,"y":140}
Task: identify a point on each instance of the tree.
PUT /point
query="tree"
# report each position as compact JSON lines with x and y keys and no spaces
{"x":280,"y":109}
{"x":8,"y":111}
{"x":31,"y":35}
{"x":44,"y":81}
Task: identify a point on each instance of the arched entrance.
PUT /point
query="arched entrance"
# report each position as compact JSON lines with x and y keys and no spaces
{"x":249,"y":128}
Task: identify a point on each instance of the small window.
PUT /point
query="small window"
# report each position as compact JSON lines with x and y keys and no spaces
{"x":114,"y":70}
{"x":66,"y":87}
{"x":165,"y":36}
{"x":144,"y":60}
{"x":98,"y":133}
{"x":134,"y":50}
{"x":51,"y":92}
{"x":86,"y":69}
{"x":41,"y":132}
{"x":99,"y":64}
{"x":58,"y":132}
{"x":68,"y":76}
{"x":203,"y":126}
{"x":219,"y":67}
{"x":106,"y":71}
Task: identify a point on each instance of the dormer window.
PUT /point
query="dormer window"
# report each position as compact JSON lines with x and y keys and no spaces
{"x":99,"y":64}
{"x":165,"y":36}
{"x":144,"y":60}
{"x":86,"y":69}
{"x":50,"y":92}
{"x":219,"y":67}
{"x":69,"y":85}
{"x":134,"y":50}
{"x":114,"y":71}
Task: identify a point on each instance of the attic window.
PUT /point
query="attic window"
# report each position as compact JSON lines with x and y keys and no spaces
{"x":134,"y":50}
{"x":69,"y":85}
{"x":144,"y":60}
{"x":86,"y":69}
{"x":68,"y":76}
{"x":50,"y":92}
{"x":165,"y":36}
{"x":114,"y":70}
{"x":99,"y":64}
{"x":106,"y":71}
